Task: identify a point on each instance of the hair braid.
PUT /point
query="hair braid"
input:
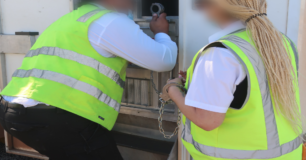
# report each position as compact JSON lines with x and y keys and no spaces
{"x":275,"y":55}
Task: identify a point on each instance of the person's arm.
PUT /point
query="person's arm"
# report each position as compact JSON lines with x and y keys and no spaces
{"x":118,"y":35}
{"x":211,"y":91}
{"x":204,"y":119}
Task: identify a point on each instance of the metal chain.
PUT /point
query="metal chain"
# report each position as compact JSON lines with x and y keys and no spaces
{"x":160,"y":120}
{"x":161,"y":112}
{"x":153,"y":84}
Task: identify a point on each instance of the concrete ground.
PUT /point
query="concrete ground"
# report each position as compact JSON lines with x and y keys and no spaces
{"x":6,"y":156}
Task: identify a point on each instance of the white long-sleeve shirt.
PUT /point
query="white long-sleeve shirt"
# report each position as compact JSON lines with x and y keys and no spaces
{"x":114,"y":34}
{"x":216,"y":76}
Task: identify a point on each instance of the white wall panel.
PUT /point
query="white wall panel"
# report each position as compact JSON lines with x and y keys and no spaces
{"x":294,"y":10}
{"x":13,"y":61}
{"x":277,"y":13}
{"x":31,"y":15}
{"x":194,"y":32}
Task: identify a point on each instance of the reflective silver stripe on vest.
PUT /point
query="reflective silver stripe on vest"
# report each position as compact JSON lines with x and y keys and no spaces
{"x":258,"y":65}
{"x":71,"y":82}
{"x":82,"y":59}
{"x":274,"y":148}
{"x":89,"y":15}
{"x":239,"y":154}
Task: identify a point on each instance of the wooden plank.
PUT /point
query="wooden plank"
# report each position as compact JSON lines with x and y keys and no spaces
{"x":182,"y":152}
{"x":18,"y":145}
{"x":137,"y":91}
{"x":130,"y":91}
{"x":27,"y":154}
{"x":134,"y":154}
{"x":155,"y":96}
{"x":138,"y":73}
{"x":2,"y":135}
{"x":148,"y":113}
{"x":145,"y":93}
{"x":8,"y":141}
{"x":142,"y":132}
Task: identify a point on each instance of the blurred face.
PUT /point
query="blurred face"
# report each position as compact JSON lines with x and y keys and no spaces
{"x":214,"y":12}
{"x":119,"y":5}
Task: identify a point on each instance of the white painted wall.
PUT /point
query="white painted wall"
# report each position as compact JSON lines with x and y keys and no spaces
{"x":13,"y":62}
{"x":31,"y":15}
{"x":294,"y":12}
{"x":278,"y":12}
{"x":28,"y":15}
{"x":195,"y":28}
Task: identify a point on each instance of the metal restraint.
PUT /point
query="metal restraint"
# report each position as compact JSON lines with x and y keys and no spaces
{"x":161,"y":111}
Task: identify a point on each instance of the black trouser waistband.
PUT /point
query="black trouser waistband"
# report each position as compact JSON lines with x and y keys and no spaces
{"x":21,"y":109}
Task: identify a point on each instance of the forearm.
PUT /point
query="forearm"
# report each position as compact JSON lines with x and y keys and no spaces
{"x":178,"y":97}
{"x":204,"y":119}
{"x":123,"y":38}
{"x":115,"y":34}
{"x":158,"y":55}
{"x":169,"y":55}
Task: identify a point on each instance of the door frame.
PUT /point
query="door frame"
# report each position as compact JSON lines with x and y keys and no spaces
{"x":302,"y":56}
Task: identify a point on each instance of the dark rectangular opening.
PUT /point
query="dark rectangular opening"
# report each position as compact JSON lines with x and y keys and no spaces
{"x":171,"y":7}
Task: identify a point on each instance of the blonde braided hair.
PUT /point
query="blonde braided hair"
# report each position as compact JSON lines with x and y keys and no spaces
{"x":275,"y":55}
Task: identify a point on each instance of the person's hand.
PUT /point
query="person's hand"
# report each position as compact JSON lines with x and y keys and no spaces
{"x":176,"y":80}
{"x":183,"y":74}
{"x":159,"y":24}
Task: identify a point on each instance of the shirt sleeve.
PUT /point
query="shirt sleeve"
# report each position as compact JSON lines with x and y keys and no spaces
{"x":116,"y":34}
{"x":214,"y":81}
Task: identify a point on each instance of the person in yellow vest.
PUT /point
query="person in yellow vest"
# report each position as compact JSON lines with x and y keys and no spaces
{"x":242,"y":98}
{"x":65,"y":98}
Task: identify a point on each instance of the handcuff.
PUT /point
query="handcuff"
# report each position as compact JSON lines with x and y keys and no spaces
{"x":165,"y":96}
{"x":164,"y":100}
{"x":160,"y":7}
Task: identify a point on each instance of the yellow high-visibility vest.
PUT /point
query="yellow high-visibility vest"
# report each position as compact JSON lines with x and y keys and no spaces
{"x":62,"y":69}
{"x":255,"y":131}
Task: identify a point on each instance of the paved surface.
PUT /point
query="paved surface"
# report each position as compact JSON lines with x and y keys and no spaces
{"x":6,"y":156}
